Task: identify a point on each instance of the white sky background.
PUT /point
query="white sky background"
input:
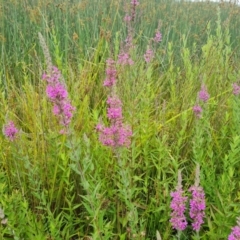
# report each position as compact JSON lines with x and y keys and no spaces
{"x":233,"y":1}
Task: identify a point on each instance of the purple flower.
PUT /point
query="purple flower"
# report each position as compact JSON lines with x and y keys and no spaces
{"x":236,"y":89}
{"x":178,"y":219}
{"x":134,"y":2}
{"x":158,"y":37}
{"x":129,"y":40}
{"x":203,"y":94}
{"x":111,"y":73}
{"x":115,"y":108}
{"x":235,"y":234}
{"x":124,"y":59}
{"x":117,"y":134}
{"x":10,"y":131}
{"x":148,"y":56}
{"x":52,"y":77}
{"x":127,"y":18}
{"x":57,"y":93}
{"x":197,"y":110}
{"x":197,"y":206}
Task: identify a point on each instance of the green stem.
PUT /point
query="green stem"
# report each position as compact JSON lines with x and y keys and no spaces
{"x":179,"y":235}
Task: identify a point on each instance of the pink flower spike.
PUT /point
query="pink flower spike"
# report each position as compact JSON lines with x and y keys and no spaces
{"x":10,"y":131}
{"x":135,"y":2}
{"x":197,"y":110}
{"x":158,"y":37}
{"x":111,"y":73}
{"x":197,"y":203}
{"x":236,"y":89}
{"x":148,"y":56}
{"x":56,"y":91}
{"x":124,"y":59}
{"x":44,"y":76}
{"x":197,"y":206}
{"x":99,"y":127}
{"x":203,"y":94}
{"x":58,"y":95}
{"x":235,"y":234}
{"x":178,"y":219}
{"x":127,"y":18}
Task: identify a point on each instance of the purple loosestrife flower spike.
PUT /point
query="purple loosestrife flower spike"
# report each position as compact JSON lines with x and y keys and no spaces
{"x":111,"y":73}
{"x":236,"y":89}
{"x":235,"y":234}
{"x":127,"y":18}
{"x":197,"y":203}
{"x":10,"y":131}
{"x":203,"y":94}
{"x":58,"y":95}
{"x":148,"y":56}
{"x":133,"y":12}
{"x":197,"y":110}
{"x":178,"y":219}
{"x":135,"y":2}
{"x":124,"y":59}
{"x":117,"y":134}
{"x":158,"y":37}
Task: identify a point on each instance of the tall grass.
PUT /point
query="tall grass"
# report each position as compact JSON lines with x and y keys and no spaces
{"x":55,"y":186}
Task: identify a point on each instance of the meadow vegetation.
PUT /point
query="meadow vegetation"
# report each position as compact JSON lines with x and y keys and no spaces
{"x":174,"y":99}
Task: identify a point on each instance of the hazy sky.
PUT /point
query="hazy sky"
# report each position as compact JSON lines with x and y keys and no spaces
{"x":235,"y":1}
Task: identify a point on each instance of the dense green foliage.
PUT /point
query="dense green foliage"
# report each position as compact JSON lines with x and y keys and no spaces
{"x":55,"y":186}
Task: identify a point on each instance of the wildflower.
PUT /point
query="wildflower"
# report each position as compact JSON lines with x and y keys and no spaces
{"x":127,"y":18}
{"x":203,"y":94}
{"x":133,"y":11}
{"x":158,"y":37}
{"x":197,"y":203}
{"x":236,"y":89}
{"x":10,"y":131}
{"x":178,"y":219}
{"x":148,"y":56}
{"x":117,"y":134}
{"x":134,"y":2}
{"x":115,"y":108}
{"x":129,"y":40}
{"x":197,"y":206}
{"x":235,"y":234}
{"x":124,"y":59}
{"x":197,"y":110}
{"x":56,"y":91}
{"x":58,"y":95}
{"x":111,"y":73}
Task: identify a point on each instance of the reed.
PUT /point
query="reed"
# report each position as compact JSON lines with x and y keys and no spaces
{"x":68,"y":185}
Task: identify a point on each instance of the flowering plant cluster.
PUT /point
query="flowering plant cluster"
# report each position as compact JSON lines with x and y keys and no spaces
{"x":10,"y":131}
{"x":236,"y":89}
{"x":124,"y":57}
{"x":235,"y":234}
{"x":197,"y":205}
{"x":58,"y":95}
{"x":178,"y":219}
{"x":149,"y":54}
{"x":117,"y":134}
{"x":203,"y":96}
